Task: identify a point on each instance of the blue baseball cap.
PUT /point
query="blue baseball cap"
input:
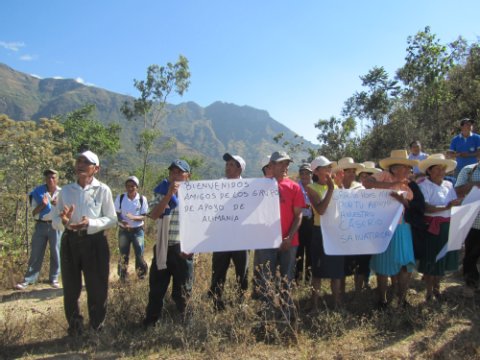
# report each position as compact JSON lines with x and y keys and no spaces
{"x":181,"y":164}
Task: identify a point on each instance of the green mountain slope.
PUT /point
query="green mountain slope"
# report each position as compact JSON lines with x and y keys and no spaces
{"x":203,"y":132}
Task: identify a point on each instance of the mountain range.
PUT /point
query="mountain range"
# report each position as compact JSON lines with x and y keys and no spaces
{"x":206,"y":132}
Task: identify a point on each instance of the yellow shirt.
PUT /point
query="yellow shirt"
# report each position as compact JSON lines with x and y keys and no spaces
{"x":320,"y":190}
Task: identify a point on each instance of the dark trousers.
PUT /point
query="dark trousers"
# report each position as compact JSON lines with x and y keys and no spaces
{"x":304,"y":259}
{"x":472,"y":253}
{"x":88,"y":254}
{"x":220,"y":264}
{"x":178,"y":269}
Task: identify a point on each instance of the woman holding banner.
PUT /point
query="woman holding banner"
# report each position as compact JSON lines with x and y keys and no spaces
{"x":323,"y":266}
{"x":398,"y":260}
{"x":439,"y":196}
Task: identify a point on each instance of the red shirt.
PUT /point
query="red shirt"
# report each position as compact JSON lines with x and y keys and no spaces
{"x":291,"y":197}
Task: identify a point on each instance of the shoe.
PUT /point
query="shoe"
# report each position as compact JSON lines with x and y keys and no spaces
{"x":22,"y":286}
{"x":55,"y":284}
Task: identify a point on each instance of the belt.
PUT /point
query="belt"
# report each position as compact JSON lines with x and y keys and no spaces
{"x":77,"y":233}
{"x":135,"y":229}
{"x":44,"y":221}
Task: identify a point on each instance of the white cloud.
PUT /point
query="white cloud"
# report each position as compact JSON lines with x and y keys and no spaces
{"x":80,"y":80}
{"x":27,"y":57}
{"x":14,"y":46}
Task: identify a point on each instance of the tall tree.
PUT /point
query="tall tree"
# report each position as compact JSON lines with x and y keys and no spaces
{"x":83,"y":130}
{"x":149,"y":107}
{"x":336,"y":137}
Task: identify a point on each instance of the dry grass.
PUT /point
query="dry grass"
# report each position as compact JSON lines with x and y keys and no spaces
{"x":425,"y":331}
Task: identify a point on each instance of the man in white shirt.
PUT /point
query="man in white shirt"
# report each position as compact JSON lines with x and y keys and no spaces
{"x":84,"y":211}
{"x":131,"y":208}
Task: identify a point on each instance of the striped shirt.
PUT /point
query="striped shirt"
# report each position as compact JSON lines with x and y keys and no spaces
{"x":174,"y":230}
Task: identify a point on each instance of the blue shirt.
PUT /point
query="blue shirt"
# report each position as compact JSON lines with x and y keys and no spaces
{"x":421,"y":156}
{"x":465,"y":144}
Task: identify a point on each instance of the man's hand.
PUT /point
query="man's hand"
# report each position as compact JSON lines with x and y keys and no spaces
{"x":83,"y":224}
{"x":66,"y":214}
{"x":286,"y":244}
{"x":185,"y":255}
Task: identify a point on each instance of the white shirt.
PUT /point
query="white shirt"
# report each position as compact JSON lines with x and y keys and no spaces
{"x":438,"y":195}
{"x":95,"y":201}
{"x":133,"y":207}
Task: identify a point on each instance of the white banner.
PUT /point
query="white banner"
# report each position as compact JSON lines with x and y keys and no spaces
{"x":228,"y":215}
{"x":461,"y":221}
{"x":359,"y":222}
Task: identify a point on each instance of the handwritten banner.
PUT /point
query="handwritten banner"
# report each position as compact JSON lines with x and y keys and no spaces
{"x":461,"y":221}
{"x":228,"y":215}
{"x":359,"y":222}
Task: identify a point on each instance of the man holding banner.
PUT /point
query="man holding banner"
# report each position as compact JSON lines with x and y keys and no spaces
{"x":234,"y":166}
{"x":468,"y":178}
{"x":168,"y":260}
{"x":267,"y":260}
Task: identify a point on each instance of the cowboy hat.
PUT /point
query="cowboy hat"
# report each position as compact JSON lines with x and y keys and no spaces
{"x":369,"y":167}
{"x":397,"y":157}
{"x":437,"y":159}
{"x":348,"y":163}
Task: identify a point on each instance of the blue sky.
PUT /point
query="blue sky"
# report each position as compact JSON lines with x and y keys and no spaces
{"x":299,"y":60}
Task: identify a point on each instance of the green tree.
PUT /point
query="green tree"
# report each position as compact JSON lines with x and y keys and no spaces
{"x":82,"y":129}
{"x":160,"y":82}
{"x":28,"y":148}
{"x":375,"y":104}
{"x":336,"y":137}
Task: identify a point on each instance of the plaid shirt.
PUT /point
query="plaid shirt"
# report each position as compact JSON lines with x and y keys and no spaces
{"x":468,"y":174}
{"x":174,"y":230}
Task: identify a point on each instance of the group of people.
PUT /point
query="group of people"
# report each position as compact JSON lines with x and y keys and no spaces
{"x":81,"y":212}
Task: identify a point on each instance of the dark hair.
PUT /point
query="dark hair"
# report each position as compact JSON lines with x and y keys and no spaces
{"x":415,"y":142}
{"x":314,"y":178}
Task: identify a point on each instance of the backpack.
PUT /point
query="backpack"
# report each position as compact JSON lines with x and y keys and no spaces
{"x":123,"y":195}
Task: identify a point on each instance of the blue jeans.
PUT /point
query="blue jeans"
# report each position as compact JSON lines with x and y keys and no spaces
{"x":134,"y":236}
{"x":44,"y":233}
{"x":267,"y":284}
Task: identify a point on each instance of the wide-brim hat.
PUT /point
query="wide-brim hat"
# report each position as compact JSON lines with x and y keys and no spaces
{"x":348,"y":163}
{"x":437,"y":159}
{"x":369,"y":167}
{"x":397,"y":157}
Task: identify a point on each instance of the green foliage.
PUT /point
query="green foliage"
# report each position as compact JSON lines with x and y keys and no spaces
{"x":150,"y":105}
{"x":155,"y":89}
{"x":28,"y":149}
{"x":437,"y":86}
{"x":336,"y":137}
{"x":82,"y":128}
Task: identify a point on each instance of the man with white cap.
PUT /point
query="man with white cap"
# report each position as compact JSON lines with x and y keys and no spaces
{"x":234,"y":167}
{"x":84,"y":211}
{"x":131,"y":208}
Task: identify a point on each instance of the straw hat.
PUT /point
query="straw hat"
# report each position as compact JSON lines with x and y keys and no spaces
{"x":397,"y":157}
{"x":348,"y":163}
{"x":437,"y":159}
{"x":369,"y":167}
